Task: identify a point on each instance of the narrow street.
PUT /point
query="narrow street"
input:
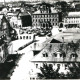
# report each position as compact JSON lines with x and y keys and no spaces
{"x":21,"y":72}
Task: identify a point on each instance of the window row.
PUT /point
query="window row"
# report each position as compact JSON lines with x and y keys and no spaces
{"x":52,"y":64}
{"x":25,"y":37}
{"x":49,"y":15}
{"x":40,"y":20}
{"x":53,"y":24}
{"x":72,"y":21}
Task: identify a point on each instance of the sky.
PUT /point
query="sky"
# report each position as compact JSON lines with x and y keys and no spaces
{"x":27,"y":0}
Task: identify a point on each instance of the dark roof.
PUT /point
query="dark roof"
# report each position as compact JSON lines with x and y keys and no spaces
{"x":54,"y":49}
{"x":55,"y":41}
{"x":44,"y":3}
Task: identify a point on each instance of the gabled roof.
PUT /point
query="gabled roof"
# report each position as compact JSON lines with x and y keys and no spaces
{"x":51,"y":58}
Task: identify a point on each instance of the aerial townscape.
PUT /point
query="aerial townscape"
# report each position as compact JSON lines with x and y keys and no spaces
{"x":39,"y":39}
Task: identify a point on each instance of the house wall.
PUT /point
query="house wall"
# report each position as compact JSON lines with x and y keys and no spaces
{"x":75,"y":21}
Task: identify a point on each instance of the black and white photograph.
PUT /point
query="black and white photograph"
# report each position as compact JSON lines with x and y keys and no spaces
{"x":39,"y":39}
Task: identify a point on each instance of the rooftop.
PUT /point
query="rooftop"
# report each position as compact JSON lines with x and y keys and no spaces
{"x":68,"y":35}
{"x":54,"y":48}
{"x":39,"y":11}
{"x":74,"y":14}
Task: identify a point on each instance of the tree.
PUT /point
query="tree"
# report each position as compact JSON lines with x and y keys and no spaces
{"x":48,"y":72}
{"x":75,"y":70}
{"x":61,"y":6}
{"x":73,"y":46}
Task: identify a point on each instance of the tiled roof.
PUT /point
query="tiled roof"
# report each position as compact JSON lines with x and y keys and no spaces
{"x":51,"y":58}
{"x":74,"y":14}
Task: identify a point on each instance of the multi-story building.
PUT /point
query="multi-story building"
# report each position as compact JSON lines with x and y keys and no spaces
{"x":72,"y":20}
{"x":45,"y":17}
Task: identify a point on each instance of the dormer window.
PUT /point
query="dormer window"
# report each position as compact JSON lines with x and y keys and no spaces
{"x":74,"y":55}
{"x":60,"y":55}
{"x":45,"y":54}
{"x":55,"y":54}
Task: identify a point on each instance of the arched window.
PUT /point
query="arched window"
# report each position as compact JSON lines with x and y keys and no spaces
{"x":74,"y":55}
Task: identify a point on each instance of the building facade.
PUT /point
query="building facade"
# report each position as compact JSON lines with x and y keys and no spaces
{"x":72,"y":20}
{"x":45,"y":17}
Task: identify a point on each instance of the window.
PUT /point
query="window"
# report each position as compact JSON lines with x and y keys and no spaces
{"x":26,"y":37}
{"x":56,"y":24}
{"x":20,"y":37}
{"x":45,"y":55}
{"x":53,"y":24}
{"x":55,"y":54}
{"x":29,"y":37}
{"x":0,"y":49}
{"x":58,"y":65}
{"x":23,"y":37}
{"x":36,"y":65}
{"x":55,"y":19}
{"x":73,"y":55}
{"x":60,"y":55}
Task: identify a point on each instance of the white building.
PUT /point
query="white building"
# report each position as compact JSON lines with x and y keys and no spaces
{"x":51,"y":55}
{"x":72,"y":20}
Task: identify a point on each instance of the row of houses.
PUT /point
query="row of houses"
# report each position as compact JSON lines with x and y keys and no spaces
{"x":45,"y":17}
